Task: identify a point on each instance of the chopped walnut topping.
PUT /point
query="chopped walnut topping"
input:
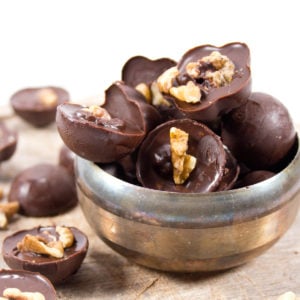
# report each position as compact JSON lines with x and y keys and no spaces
{"x":144,"y":89}
{"x":36,"y":244}
{"x":164,"y":81}
{"x":218,"y":69}
{"x":48,"y":243}
{"x":16,"y":294}
{"x":65,"y":236}
{"x":193,"y":69}
{"x":98,"y":112}
{"x":157,"y":97}
{"x":183,"y":163}
{"x":48,"y":97}
{"x":189,"y":93}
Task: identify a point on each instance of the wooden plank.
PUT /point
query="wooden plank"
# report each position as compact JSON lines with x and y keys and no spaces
{"x":107,"y":275}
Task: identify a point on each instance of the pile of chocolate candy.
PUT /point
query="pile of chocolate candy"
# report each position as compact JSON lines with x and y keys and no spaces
{"x":189,"y":126}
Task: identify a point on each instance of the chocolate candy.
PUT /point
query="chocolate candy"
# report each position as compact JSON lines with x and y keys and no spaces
{"x":8,"y":142}
{"x":66,"y":159}
{"x":32,"y":250}
{"x":155,"y":168}
{"x":108,"y":133}
{"x":259,"y":133}
{"x":141,"y":73}
{"x":43,"y":190}
{"x":37,"y":106}
{"x":26,"y":282}
{"x":254,"y":177}
{"x":140,"y":69}
{"x":209,"y":81}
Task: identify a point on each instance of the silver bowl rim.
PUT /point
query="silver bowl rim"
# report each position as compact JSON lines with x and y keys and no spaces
{"x":187,"y":209}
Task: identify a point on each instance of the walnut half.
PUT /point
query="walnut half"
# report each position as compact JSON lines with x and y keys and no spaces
{"x":47,"y":243}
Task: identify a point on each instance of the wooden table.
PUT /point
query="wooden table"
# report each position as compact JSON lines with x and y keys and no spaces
{"x":105,"y":274}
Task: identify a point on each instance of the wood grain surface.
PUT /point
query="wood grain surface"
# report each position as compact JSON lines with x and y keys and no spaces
{"x":105,"y":274}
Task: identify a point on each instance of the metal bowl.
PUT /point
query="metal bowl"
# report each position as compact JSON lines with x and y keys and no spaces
{"x":188,"y":232}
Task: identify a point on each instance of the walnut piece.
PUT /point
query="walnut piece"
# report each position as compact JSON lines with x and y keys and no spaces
{"x":157,"y":97}
{"x":16,"y":294}
{"x":7,"y":210}
{"x":48,"y":243}
{"x":48,"y":97}
{"x":189,"y":93}
{"x":65,"y":236}
{"x":218,"y":69}
{"x":36,"y":244}
{"x":165,"y":80}
{"x":183,"y":163}
{"x":98,"y":112}
{"x":144,"y":89}
{"x":3,"y":220}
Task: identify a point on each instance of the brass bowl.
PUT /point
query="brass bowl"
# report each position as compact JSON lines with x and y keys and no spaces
{"x":188,"y":232}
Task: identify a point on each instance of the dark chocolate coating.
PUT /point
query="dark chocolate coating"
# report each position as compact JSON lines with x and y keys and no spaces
{"x":43,"y":190}
{"x":66,"y":159}
{"x":260,"y":133}
{"x":27,"y":281}
{"x":218,"y":101}
{"x":57,"y":270}
{"x":151,"y":115}
{"x":98,"y":141}
{"x":231,"y":172}
{"x":27,"y":105}
{"x":254,"y":177}
{"x":8,"y":142}
{"x":154,"y":167}
{"x":140,"y":69}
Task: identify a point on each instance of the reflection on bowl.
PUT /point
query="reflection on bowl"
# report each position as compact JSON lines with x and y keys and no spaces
{"x":188,"y":232}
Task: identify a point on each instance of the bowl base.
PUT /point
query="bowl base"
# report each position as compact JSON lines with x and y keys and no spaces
{"x":203,"y":265}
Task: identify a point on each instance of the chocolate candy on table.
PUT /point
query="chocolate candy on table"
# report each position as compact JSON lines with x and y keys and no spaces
{"x":26,"y":282}
{"x":43,"y":190}
{"x":259,"y":133}
{"x":38,"y":105}
{"x":209,"y":81}
{"x":56,"y":252}
{"x":8,"y":142}
{"x":155,"y":164}
{"x":107,"y":133}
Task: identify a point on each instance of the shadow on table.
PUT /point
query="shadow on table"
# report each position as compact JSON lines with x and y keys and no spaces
{"x":102,"y":272}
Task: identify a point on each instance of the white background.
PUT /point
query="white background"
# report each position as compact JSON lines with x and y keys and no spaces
{"x":82,"y":45}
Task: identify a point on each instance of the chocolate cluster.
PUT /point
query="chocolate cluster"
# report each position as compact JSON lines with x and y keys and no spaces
{"x":194,"y":125}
